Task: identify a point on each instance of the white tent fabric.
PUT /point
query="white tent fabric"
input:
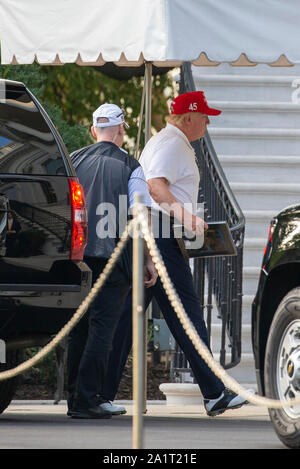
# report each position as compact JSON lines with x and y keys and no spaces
{"x":165,"y":32}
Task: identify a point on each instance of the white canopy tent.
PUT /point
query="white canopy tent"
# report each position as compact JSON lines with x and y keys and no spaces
{"x":164,"y":32}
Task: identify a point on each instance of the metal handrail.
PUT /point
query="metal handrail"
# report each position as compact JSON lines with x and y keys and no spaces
{"x":218,"y":281}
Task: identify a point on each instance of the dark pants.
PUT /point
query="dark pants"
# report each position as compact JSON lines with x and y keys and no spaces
{"x":181,"y":276}
{"x":90,"y":341}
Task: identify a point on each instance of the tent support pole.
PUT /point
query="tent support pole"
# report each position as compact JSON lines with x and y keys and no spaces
{"x":148,"y":114}
{"x":148,"y":110}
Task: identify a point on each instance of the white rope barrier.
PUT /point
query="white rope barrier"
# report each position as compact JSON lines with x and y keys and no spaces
{"x":189,"y":328}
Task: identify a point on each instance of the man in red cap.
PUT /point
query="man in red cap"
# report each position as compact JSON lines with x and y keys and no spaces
{"x":169,"y":162}
{"x":169,"y":165}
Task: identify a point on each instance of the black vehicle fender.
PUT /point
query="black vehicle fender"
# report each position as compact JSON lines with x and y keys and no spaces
{"x":276,"y":285}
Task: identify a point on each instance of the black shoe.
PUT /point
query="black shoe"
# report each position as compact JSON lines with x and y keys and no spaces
{"x":226,"y":401}
{"x":89,"y":413}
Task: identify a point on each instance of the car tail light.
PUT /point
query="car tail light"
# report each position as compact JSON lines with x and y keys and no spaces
{"x":79,"y":220}
{"x":268,"y":247}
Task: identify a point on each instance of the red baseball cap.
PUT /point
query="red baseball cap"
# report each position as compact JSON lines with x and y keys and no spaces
{"x":194,"y":101}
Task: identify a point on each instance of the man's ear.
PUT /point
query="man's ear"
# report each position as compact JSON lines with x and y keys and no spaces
{"x":93,"y":132}
{"x":188,"y":118}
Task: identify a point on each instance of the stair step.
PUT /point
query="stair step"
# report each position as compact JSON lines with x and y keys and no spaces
{"x":247,"y":300}
{"x":260,"y":215}
{"x":262,"y":168}
{"x":255,"y":141}
{"x":262,"y":106}
{"x":250,"y":279}
{"x":259,"y":83}
{"x":240,"y":79}
{"x":250,"y":283}
{"x":267,"y":195}
{"x":253,"y":251}
{"x":255,"y":132}
{"x":254,"y":243}
{"x":257,"y":222}
{"x":247,"y":308}
{"x":256,"y":113}
{"x":244,"y":372}
{"x":216,"y":330}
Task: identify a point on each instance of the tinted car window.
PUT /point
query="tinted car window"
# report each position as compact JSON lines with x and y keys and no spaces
{"x":27,"y":145}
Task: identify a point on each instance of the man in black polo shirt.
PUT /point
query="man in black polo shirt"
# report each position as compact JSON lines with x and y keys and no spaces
{"x":109,"y":177}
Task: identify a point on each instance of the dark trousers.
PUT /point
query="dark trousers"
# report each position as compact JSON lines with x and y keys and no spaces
{"x":90,"y":341}
{"x":181,"y":276}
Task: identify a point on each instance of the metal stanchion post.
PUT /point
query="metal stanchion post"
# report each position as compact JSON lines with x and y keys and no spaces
{"x":138,"y":332}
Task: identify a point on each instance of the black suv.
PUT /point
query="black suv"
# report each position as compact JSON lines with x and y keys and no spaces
{"x":43,"y":230}
{"x":276,"y":322}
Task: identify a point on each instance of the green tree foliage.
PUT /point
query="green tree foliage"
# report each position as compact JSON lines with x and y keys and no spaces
{"x":71,"y":93}
{"x":78,"y":91}
{"x":35,"y":79}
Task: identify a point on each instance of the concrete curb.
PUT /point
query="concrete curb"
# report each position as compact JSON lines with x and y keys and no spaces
{"x":154,"y":409}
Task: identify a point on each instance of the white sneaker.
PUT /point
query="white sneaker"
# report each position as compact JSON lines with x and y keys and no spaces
{"x":226,"y":401}
{"x":113,"y":409}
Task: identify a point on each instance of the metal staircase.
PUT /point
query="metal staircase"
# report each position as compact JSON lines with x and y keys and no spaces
{"x":218,"y":280}
{"x":257,"y":140}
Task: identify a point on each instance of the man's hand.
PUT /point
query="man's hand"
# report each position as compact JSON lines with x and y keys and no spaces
{"x":194,"y":224}
{"x":159,"y":191}
{"x":198,"y":225}
{"x":150,"y":273}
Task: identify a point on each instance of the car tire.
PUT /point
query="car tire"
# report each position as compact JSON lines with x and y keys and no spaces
{"x":9,"y":386}
{"x":282,"y":367}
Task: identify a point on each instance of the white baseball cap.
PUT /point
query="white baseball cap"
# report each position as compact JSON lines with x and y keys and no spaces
{"x":112,"y":112}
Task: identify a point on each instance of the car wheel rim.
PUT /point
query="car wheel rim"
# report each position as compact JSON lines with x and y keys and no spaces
{"x":288,"y":367}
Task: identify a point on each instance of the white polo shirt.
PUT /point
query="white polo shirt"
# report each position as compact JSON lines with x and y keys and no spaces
{"x":137,"y":183}
{"x":170,"y":155}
